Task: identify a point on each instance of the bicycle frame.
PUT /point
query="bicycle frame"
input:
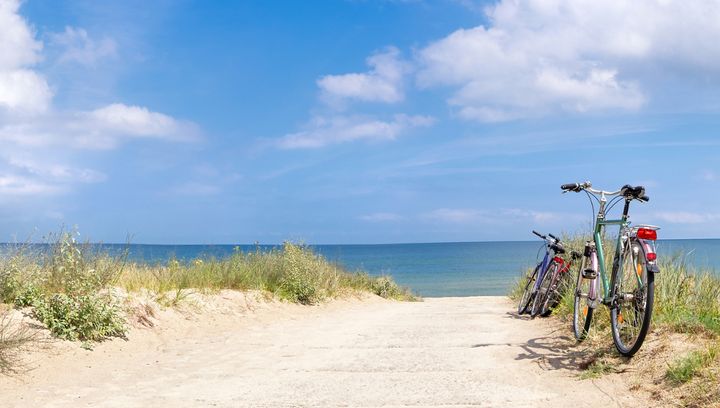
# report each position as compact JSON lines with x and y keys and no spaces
{"x":600,"y":224}
{"x":543,"y":268}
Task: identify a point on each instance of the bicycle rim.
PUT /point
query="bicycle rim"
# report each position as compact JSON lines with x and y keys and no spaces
{"x":526,"y":297}
{"x":582,"y":307}
{"x":552,"y":292}
{"x":541,"y":292}
{"x":633,"y":301}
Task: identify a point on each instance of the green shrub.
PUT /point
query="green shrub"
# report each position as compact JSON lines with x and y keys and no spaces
{"x":86,"y":317}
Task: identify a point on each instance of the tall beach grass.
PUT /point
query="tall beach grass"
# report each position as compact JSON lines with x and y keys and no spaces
{"x":72,"y":287}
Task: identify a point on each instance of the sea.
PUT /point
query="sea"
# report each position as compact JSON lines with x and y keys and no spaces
{"x":432,"y":269}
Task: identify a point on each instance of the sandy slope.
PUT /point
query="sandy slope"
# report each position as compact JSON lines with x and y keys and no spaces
{"x":440,"y":352}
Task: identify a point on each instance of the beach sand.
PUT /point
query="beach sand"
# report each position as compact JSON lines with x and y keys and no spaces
{"x":237,"y":350}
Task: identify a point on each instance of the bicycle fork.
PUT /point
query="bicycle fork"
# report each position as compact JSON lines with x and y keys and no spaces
{"x":591,"y":273}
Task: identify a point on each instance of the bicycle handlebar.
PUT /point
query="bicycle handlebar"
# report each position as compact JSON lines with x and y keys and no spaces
{"x":628,"y":191}
{"x":554,"y":237}
{"x":538,"y":234}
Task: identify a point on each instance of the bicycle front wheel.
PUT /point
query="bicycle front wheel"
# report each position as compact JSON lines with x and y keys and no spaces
{"x":584,"y":305}
{"x":560,"y":284}
{"x":633,"y":296}
{"x":527,"y":295}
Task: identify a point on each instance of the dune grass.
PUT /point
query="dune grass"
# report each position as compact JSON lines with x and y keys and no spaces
{"x":72,"y":287}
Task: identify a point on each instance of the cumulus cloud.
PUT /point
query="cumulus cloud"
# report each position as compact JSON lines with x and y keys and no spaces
{"x":383,"y":83}
{"x":21,"y":89}
{"x":40,"y":141}
{"x":323,"y":131}
{"x":539,"y":57}
{"x":79,"y":47}
{"x":102,"y":128}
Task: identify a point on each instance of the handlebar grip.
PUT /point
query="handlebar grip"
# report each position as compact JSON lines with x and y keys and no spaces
{"x":554,"y":237}
{"x":538,"y":234}
{"x":644,"y":198}
{"x":571,"y":187}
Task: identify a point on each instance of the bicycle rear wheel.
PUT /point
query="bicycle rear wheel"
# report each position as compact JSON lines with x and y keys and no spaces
{"x":633,"y":296}
{"x":584,"y":305}
{"x":527,"y":295}
{"x":543,"y":289}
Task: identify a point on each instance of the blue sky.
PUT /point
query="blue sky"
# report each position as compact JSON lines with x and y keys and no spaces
{"x":353,"y":121}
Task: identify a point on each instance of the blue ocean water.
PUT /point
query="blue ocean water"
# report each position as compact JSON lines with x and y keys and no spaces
{"x":438,"y":269}
{"x":434,"y":269}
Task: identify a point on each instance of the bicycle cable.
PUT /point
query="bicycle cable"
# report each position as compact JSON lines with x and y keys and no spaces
{"x":613,"y":203}
{"x":592,"y":206}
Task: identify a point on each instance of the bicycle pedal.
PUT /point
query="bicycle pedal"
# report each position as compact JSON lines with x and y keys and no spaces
{"x":589,"y":274}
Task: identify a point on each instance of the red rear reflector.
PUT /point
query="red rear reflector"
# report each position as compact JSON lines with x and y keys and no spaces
{"x":644,"y":233}
{"x":651,"y":256}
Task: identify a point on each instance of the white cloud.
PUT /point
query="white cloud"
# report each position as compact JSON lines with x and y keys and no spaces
{"x":78,"y":47}
{"x":56,"y":172}
{"x":541,"y":57}
{"x":323,"y":131}
{"x":383,"y":83}
{"x":686,"y":217}
{"x":138,"y":121}
{"x":382,"y":217}
{"x":497,"y":216}
{"x":24,"y":91}
{"x":18,"y":46}
{"x":12,"y":185}
{"x":458,"y":216}
{"x":196,"y":189}
{"x":102,"y":128}
{"x":21,"y":89}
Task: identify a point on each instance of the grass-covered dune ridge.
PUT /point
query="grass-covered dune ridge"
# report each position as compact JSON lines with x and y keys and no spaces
{"x":687,"y":306}
{"x":72,"y":287}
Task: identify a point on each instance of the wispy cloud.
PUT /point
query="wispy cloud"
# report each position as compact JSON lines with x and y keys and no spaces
{"x":78,"y":47}
{"x":382,"y":217}
{"x":495,"y":216}
{"x":323,"y":131}
{"x":709,"y":175}
{"x":686,"y":217}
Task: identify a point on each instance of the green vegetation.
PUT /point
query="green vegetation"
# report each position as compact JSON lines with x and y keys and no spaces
{"x":73,"y":289}
{"x":294,"y":273}
{"x":688,"y":366}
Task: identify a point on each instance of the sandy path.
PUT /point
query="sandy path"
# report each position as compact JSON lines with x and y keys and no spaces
{"x":440,"y":352}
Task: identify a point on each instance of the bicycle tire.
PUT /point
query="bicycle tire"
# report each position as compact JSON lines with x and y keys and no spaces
{"x":558,"y":288}
{"x":542,"y":290}
{"x":527,"y":295}
{"x":582,"y":310}
{"x":636,"y":313}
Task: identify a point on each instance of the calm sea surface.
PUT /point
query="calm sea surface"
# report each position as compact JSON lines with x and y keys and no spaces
{"x":441,"y":269}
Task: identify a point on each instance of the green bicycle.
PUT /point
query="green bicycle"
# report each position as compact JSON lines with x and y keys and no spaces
{"x":630,"y":292}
